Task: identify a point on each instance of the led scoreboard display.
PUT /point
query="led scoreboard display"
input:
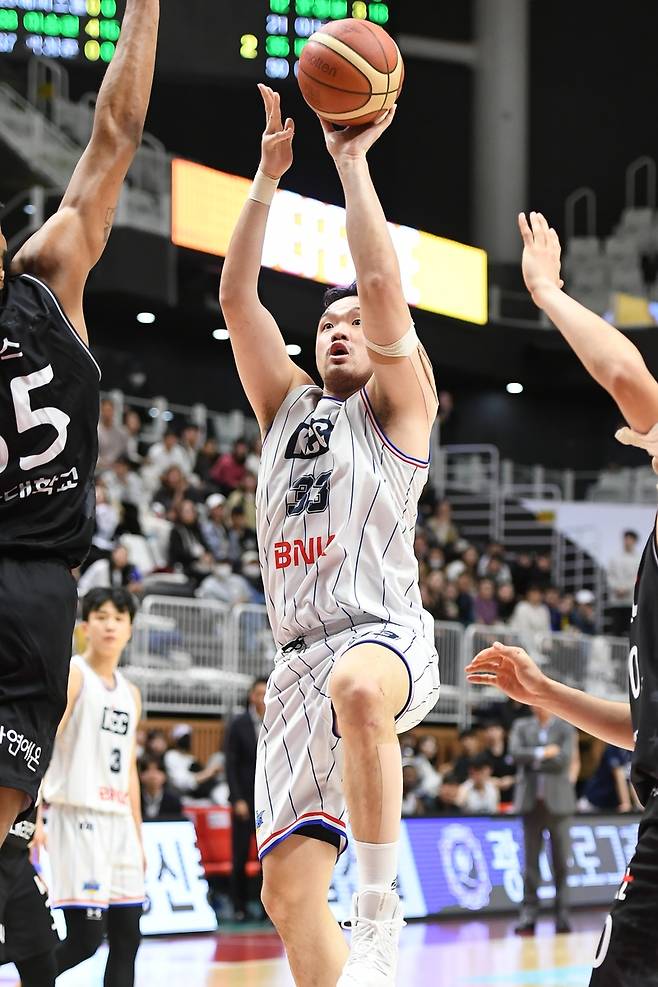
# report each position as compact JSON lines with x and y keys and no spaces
{"x":287,"y":25}
{"x":71,"y":30}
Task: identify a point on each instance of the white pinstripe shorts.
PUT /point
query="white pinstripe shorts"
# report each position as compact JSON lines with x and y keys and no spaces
{"x":299,"y":763}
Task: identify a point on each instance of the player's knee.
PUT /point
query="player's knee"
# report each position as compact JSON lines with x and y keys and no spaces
{"x":356,"y":699}
{"x":285,"y":904}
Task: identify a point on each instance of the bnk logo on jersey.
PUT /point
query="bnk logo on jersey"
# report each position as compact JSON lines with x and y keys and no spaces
{"x":310,"y":439}
{"x":115,"y":721}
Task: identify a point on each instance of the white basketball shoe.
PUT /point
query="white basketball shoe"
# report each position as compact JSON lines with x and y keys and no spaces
{"x":376,"y":925}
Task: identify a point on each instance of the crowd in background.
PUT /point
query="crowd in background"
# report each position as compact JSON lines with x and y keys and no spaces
{"x":179,"y":517}
{"x":481,"y":775}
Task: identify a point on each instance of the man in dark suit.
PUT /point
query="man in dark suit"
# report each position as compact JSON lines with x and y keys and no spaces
{"x":542,"y":748}
{"x":240,"y":748}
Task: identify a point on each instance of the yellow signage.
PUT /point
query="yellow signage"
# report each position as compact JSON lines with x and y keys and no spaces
{"x":307,"y":238}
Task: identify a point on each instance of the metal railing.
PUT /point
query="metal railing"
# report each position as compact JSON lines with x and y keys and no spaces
{"x":199,"y":656}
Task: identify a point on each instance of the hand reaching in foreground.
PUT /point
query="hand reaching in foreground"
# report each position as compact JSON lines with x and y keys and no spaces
{"x":512,"y":670}
{"x":541,"y":255}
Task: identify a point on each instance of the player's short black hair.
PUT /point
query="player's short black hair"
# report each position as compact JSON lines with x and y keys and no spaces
{"x":260,"y":680}
{"x":478,"y":762}
{"x":332,"y":295}
{"x":146,"y":760}
{"x":122,"y":599}
{"x":629,"y":533}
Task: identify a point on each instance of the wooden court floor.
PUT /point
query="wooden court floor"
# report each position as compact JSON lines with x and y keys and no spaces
{"x":450,"y":954}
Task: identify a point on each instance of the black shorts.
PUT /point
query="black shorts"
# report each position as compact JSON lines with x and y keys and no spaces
{"x":29,"y":929}
{"x":627,"y":953}
{"x":38,"y":604}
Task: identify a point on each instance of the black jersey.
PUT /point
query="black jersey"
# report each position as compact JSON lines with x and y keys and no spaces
{"x":643,"y":674}
{"x":21,"y":833}
{"x":49,"y":398}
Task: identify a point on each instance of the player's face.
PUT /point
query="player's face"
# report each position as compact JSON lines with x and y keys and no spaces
{"x":340,"y":349}
{"x":108,"y":631}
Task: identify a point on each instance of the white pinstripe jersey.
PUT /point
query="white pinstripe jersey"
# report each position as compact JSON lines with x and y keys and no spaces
{"x":337,"y":504}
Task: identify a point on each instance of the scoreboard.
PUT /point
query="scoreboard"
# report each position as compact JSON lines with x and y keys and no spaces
{"x":286,"y":25}
{"x":71,"y":30}
{"x":210,"y":39}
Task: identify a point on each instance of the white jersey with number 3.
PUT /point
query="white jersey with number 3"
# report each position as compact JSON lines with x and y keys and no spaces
{"x":337,"y":504}
{"x":92,"y":760}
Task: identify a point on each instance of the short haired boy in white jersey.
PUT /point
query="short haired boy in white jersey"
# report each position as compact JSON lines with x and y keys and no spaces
{"x":92,"y":788}
{"x":342,"y":469}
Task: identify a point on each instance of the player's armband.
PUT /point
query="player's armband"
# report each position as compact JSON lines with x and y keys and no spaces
{"x":405,"y":346}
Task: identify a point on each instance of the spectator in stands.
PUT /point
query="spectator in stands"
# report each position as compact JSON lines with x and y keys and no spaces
{"x":188,"y":550}
{"x":478,"y":794}
{"x":158,"y":801}
{"x":123,"y":483}
{"x":567,"y":605}
{"x":252,"y":461}
{"x":413,"y":803}
{"x":583,"y":617}
{"x":542,"y":747}
{"x":421,"y":551}
{"x":184,"y":772}
{"x":173,"y":490}
{"x":425,"y":761}
{"x":214,"y":527}
{"x":492,"y":564}
{"x":229,"y":470}
{"x":441,"y":526}
{"x":531,"y":618}
{"x":467,"y":563}
{"x":470,"y":748}
{"x":446,"y":800}
{"x":206,"y":458}
{"x":465,"y":598}
{"x":250,"y":570}
{"x":543,"y":571}
{"x":523,"y":571}
{"x":432,"y":590}
{"x":622,"y":574}
{"x":552,"y":601}
{"x":245,"y":497}
{"x":609,"y":789}
{"x":112,"y":439}
{"x":503,"y":769}
{"x":241,"y":538}
{"x":106,"y":523}
{"x":506,"y":599}
{"x":226,"y":586}
{"x":240,"y":749}
{"x":156,"y":743}
{"x":132,"y":425}
{"x":166,"y":454}
{"x":116,"y":571}
{"x":190,"y":441}
{"x":485,"y":605}
{"x":436,"y":559}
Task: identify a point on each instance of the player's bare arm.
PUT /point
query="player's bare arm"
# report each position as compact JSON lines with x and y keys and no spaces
{"x":72,"y":696}
{"x":68,"y":246}
{"x":266,"y":371}
{"x":402,"y":391}
{"x":514,"y":672}
{"x":135,"y":793}
{"x":607,"y":355}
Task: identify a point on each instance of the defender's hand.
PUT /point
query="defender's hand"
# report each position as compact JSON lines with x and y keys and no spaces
{"x":355,"y":142}
{"x":541,"y":256}
{"x":512,"y":670}
{"x":276,"y":148}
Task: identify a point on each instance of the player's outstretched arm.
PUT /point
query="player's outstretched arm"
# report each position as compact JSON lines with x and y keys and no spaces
{"x":403,"y":386}
{"x":607,"y":355}
{"x":514,"y":672}
{"x":266,"y":371}
{"x":72,"y":241}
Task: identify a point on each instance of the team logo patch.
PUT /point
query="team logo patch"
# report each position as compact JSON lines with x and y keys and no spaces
{"x":310,"y":439}
{"x":91,"y":886}
{"x":260,"y":819}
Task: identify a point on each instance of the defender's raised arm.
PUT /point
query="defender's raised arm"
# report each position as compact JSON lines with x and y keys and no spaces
{"x":607,"y":355}
{"x":66,"y":248}
{"x":266,"y":371}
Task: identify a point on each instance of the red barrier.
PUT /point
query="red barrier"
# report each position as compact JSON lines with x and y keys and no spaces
{"x":214,"y":839}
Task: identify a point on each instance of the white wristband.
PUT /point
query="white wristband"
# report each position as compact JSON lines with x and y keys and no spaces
{"x":263,"y":188}
{"x":405,"y":346}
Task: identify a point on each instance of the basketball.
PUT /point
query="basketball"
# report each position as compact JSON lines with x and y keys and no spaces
{"x":350,"y":72}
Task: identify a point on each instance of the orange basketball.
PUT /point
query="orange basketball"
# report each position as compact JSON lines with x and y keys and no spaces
{"x":350,"y":71}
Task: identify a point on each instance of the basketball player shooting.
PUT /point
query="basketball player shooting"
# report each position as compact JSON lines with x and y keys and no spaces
{"x":49,"y":385}
{"x":342,"y":469}
{"x":626,"y":954}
